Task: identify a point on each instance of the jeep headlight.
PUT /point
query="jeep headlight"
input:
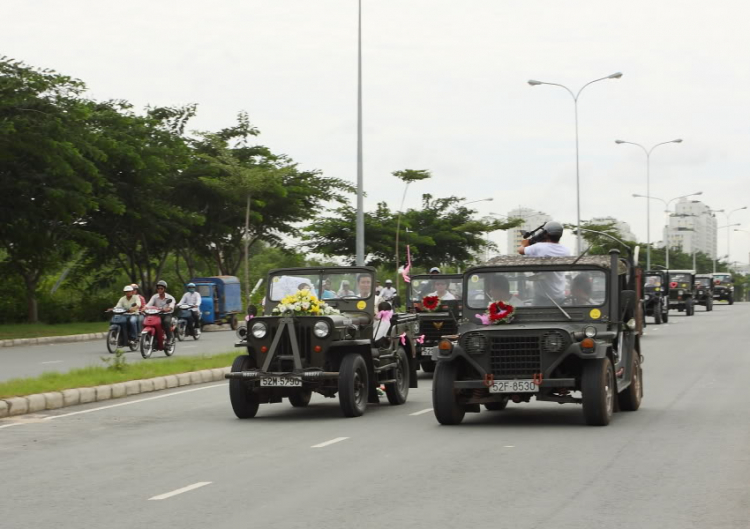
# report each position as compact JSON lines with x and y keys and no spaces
{"x":259,"y":329}
{"x":321,"y":329}
{"x":648,"y":296}
{"x":590,"y":331}
{"x":680,"y":292}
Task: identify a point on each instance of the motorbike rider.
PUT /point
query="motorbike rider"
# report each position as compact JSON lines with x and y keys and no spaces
{"x":132,"y":304}
{"x":137,"y":292}
{"x":193,"y":298}
{"x":165,"y":302}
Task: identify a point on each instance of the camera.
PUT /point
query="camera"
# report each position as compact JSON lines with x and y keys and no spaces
{"x":536,"y":235}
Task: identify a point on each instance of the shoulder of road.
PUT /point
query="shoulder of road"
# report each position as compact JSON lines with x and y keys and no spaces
{"x":72,"y":397}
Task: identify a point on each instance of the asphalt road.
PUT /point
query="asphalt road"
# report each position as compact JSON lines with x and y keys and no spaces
{"x":34,"y":360}
{"x":181,"y":459}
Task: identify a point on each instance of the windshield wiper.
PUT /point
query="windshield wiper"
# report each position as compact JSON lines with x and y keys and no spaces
{"x":558,"y":306}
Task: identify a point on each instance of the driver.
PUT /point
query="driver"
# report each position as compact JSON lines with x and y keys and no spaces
{"x":500,"y":291}
{"x":132,"y":304}
{"x":165,"y":302}
{"x":193,"y":298}
{"x":580,"y":290}
{"x":552,"y":283}
{"x":441,"y":290}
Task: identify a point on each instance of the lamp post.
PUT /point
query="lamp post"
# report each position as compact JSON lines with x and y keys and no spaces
{"x":728,"y":216}
{"x":575,"y":97}
{"x":360,"y":228}
{"x":666,"y":211}
{"x":648,"y":190}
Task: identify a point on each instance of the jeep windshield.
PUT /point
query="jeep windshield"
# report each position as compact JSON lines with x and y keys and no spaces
{"x":653,"y":281}
{"x":537,"y":288}
{"x":334,"y":285}
{"x":703,"y":281}
{"x":680,"y":278}
{"x":446,"y":289}
{"x":722,"y":279}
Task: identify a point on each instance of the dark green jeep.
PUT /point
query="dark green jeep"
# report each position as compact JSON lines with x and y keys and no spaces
{"x":320,"y":333}
{"x":724,"y":287}
{"x":682,"y":291}
{"x":435,"y":321}
{"x":704,"y":291}
{"x":656,"y":295}
{"x":573,"y":338}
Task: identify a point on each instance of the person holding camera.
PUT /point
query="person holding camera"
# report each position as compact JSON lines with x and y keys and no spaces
{"x":545,"y":243}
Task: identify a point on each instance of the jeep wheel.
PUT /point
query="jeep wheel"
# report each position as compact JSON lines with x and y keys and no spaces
{"x":428,"y":366}
{"x":244,"y":401}
{"x":598,"y":386}
{"x":731,"y":299}
{"x":657,"y":315}
{"x":398,"y":391}
{"x":665,"y":316}
{"x":301,"y":398}
{"x":630,"y":398}
{"x":497,"y":406}
{"x":447,"y":409}
{"x":353,"y":385}
{"x":689,"y":308}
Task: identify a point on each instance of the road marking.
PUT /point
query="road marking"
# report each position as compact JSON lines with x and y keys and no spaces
{"x":180,"y":491}
{"x":52,"y":362}
{"x":509,"y":446}
{"x":332,"y":441}
{"x":428,"y":410}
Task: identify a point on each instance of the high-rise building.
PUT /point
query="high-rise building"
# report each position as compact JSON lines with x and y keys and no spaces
{"x":531,"y":219}
{"x":622,"y":227}
{"x":692,"y":228}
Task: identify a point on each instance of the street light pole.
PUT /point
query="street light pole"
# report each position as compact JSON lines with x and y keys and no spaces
{"x":575,"y":97}
{"x":648,"y":191}
{"x":728,"y":216}
{"x":360,"y":231}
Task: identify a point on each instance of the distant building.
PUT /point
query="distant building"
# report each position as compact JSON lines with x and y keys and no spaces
{"x":692,"y":228}
{"x":531,"y":219}
{"x":622,"y":227}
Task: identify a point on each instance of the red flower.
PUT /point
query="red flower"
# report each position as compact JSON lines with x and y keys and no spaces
{"x":500,"y":311}
{"x":673,"y":284}
{"x":430,"y":303}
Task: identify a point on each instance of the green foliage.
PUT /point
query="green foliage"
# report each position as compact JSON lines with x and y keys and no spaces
{"x":117,"y":362}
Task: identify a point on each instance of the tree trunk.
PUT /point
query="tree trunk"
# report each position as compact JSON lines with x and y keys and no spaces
{"x":247,"y":249}
{"x":31,"y":303}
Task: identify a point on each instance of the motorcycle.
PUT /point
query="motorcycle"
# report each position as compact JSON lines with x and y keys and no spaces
{"x":185,"y":325}
{"x":153,"y":336}
{"x":118,"y":331}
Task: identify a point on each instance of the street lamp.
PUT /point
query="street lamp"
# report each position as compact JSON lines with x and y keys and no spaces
{"x":474,"y":201}
{"x":666,"y":211}
{"x":575,"y":97}
{"x":728,"y":216}
{"x":360,"y":224}
{"x":648,"y":191}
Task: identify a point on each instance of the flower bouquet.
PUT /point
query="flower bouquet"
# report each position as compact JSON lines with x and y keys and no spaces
{"x":430,"y":303}
{"x":497,"y":313}
{"x":304,"y":303}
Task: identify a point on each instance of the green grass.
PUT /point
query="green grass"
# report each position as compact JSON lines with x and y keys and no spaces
{"x":38,"y":330}
{"x":98,"y":375}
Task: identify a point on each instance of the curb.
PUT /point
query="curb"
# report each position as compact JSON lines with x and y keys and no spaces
{"x":71,"y":397}
{"x":53,"y":339}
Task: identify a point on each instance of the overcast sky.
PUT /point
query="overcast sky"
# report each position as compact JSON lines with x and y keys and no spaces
{"x":444,"y":89}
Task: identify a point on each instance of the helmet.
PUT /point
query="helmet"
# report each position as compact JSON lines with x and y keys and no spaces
{"x":554,"y":229}
{"x":127,"y":288}
{"x":388,"y":282}
{"x":135,"y":286}
{"x":162,"y":283}
{"x":434,"y":270}
{"x":191,"y":285}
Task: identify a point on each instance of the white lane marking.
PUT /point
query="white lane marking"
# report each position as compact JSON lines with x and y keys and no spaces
{"x":52,"y":362}
{"x":509,"y":446}
{"x":113,"y":406}
{"x":332,"y":441}
{"x":428,"y":410}
{"x":180,"y":491}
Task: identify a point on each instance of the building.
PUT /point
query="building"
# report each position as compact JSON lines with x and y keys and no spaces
{"x":622,"y":227}
{"x":531,"y":219}
{"x":692,"y":228}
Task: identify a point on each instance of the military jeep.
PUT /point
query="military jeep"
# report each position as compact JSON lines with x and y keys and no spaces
{"x":345,"y":350}
{"x":434,"y":324}
{"x":724,"y":287}
{"x":574,"y":331}
{"x":656,"y":295}
{"x":704,"y":291}
{"x":682,"y":291}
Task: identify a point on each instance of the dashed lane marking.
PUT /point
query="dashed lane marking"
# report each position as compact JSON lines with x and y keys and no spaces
{"x":428,"y":410}
{"x":332,"y":441}
{"x":52,"y":362}
{"x":181,"y":491}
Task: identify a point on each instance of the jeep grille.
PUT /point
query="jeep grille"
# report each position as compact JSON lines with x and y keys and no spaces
{"x":433,"y":330}
{"x":515,"y":356}
{"x":283,"y":360}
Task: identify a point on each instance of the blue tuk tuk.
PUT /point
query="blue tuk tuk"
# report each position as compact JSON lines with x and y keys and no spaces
{"x":221,"y":299}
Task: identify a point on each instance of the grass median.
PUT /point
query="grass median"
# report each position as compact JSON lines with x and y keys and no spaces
{"x":118,"y":370}
{"x":40,"y":330}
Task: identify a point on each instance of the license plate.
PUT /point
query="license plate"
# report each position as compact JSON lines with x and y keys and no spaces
{"x":514,"y":386}
{"x":281,"y":382}
{"x":427,"y":352}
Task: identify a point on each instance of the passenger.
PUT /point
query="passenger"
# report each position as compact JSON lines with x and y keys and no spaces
{"x":500,"y":291}
{"x":328,"y":292}
{"x":345,"y":291}
{"x":580,"y":290}
{"x":137,"y":292}
{"x":552,"y":283}
{"x":441,"y":290}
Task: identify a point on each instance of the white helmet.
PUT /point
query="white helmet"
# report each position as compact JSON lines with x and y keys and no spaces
{"x":127,"y":288}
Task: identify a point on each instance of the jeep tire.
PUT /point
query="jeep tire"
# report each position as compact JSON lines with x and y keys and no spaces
{"x":244,"y":400}
{"x":630,"y":398}
{"x":397,"y":392}
{"x":447,"y":409}
{"x":354,"y":385}
{"x":657,"y":315}
{"x":598,"y":387}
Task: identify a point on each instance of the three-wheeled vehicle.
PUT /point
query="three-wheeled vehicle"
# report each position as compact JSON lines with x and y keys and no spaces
{"x":436,"y":300}
{"x":221,"y":299}
{"x":682,"y":291}
{"x":704,"y":291}
{"x":656,"y":295}
{"x":333,"y":343}
{"x":545,"y":328}
{"x":724,"y":287}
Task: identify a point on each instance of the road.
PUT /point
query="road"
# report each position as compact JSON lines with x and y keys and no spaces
{"x":33,"y":360}
{"x":181,"y":459}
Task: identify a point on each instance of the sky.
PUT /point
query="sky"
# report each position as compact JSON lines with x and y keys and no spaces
{"x":444,"y":89}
